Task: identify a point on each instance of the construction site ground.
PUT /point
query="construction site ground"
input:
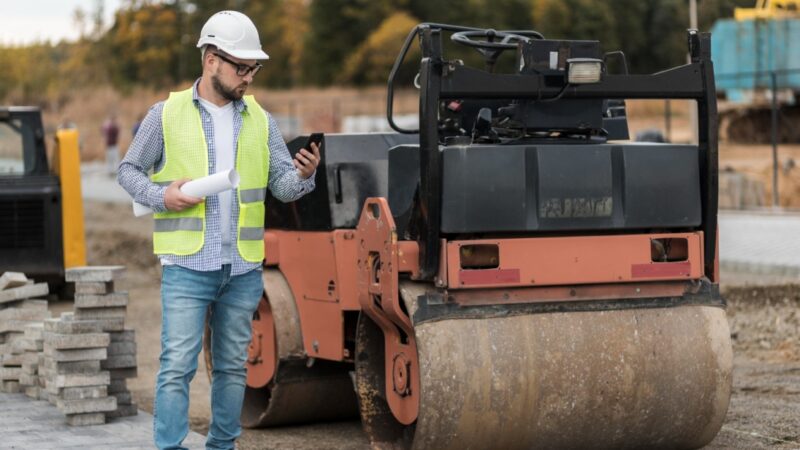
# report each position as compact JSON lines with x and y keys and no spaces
{"x":764,"y":313}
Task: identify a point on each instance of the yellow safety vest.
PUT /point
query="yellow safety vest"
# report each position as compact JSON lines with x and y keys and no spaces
{"x":186,"y":156}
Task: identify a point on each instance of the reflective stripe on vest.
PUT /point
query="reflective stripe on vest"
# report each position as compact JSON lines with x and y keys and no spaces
{"x":251,"y":233}
{"x":253,"y":195}
{"x":186,"y":156}
{"x":179,"y":224}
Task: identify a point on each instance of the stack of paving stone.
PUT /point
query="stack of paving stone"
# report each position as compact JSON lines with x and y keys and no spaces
{"x":74,"y":381}
{"x":33,"y":344}
{"x":96,"y":300}
{"x":19,"y":307}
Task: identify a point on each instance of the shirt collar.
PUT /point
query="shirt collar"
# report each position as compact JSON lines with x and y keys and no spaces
{"x":239,"y":105}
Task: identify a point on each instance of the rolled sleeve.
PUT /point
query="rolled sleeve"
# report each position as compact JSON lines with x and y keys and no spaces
{"x":284,"y":179}
{"x":145,"y":153}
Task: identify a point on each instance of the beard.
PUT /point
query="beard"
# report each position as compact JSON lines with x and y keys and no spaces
{"x":226,"y":92}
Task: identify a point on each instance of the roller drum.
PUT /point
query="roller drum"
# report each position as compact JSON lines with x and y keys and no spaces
{"x":623,"y":378}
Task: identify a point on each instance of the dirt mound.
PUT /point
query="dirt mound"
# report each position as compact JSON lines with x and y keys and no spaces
{"x":765,"y":320}
{"x":114,"y":236}
{"x":119,"y":247}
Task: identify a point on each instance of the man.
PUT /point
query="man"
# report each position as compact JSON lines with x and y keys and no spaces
{"x":211,"y":250}
{"x":110,"y":131}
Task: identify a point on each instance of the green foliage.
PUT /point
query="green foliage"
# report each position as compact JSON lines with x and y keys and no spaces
{"x":373,"y":60}
{"x":336,"y":29}
{"x":281,"y":24}
{"x":145,"y":42}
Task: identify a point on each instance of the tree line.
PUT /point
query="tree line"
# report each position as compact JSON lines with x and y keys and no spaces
{"x":329,"y":42}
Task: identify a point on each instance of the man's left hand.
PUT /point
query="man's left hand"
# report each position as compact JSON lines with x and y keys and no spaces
{"x":307,"y":161}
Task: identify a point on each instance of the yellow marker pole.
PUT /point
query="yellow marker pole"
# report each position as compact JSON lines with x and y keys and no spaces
{"x":67,"y":165}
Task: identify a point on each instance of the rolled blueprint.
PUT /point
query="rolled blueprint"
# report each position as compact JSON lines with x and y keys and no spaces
{"x":201,"y":187}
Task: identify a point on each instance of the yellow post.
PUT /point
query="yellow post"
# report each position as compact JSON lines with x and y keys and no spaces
{"x":67,"y":165}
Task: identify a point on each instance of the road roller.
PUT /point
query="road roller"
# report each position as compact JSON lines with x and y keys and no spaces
{"x":513,"y":273}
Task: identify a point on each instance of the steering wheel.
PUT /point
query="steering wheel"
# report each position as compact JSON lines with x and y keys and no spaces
{"x":494,"y":42}
{"x":508,"y":39}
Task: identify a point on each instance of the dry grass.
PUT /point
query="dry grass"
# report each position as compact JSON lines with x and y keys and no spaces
{"x":318,"y":110}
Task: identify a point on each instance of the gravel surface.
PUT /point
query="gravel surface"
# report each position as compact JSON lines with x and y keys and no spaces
{"x":765,"y":326}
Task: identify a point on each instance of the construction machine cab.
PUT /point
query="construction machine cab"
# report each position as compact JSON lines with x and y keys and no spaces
{"x":38,"y":234}
{"x":30,"y":198}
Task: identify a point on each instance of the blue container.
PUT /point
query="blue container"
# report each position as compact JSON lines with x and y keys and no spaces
{"x":746,"y":52}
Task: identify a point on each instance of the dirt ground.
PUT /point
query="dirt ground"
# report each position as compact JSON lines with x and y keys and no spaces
{"x":765,"y":327}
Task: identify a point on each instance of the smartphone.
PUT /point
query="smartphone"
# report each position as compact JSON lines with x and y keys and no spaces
{"x":315,"y":138}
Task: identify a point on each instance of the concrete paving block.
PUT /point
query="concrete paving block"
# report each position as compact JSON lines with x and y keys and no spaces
{"x":87,"y":419}
{"x":56,"y":341}
{"x":94,"y":287}
{"x":30,"y":369}
{"x":31,"y":345}
{"x":65,"y":367}
{"x":119,"y":362}
{"x":30,"y":314}
{"x":88,"y":405}
{"x":122,"y":348}
{"x":46,"y":375}
{"x":11,"y":347}
{"x":22,"y":292}
{"x":117,"y":385}
{"x":17,"y":345}
{"x":10,"y":373}
{"x":123,"y":336}
{"x":94,"y":273}
{"x":117,"y":312}
{"x":86,"y":354}
{"x":26,"y":379}
{"x":83,"y":392}
{"x":28,"y":303}
{"x":121,"y":374}
{"x":12,"y":279}
{"x":113,"y":299}
{"x":12,"y":360}
{"x":123,"y":398}
{"x":33,"y":391}
{"x":69,"y":326}
{"x":13,"y":326}
{"x":110,"y":324}
{"x":124,"y":411}
{"x":10,"y":387}
{"x":78,"y":380}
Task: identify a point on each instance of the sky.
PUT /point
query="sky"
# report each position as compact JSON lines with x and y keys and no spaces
{"x":26,"y":21}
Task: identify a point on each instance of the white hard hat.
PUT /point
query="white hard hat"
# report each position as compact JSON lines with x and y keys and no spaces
{"x":233,"y":33}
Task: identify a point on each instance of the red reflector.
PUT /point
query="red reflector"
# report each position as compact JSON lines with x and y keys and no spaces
{"x":676,"y":269}
{"x":488,"y":276}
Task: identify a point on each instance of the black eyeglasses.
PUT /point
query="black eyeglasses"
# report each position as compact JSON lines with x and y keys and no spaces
{"x":241,"y":69}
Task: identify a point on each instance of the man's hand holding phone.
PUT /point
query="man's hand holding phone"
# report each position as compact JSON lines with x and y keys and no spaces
{"x":307,"y":159}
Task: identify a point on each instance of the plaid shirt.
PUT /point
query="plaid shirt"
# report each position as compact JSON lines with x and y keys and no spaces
{"x":147,"y":152}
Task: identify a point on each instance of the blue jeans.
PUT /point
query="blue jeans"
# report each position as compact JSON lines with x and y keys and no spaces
{"x":185,"y":296}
